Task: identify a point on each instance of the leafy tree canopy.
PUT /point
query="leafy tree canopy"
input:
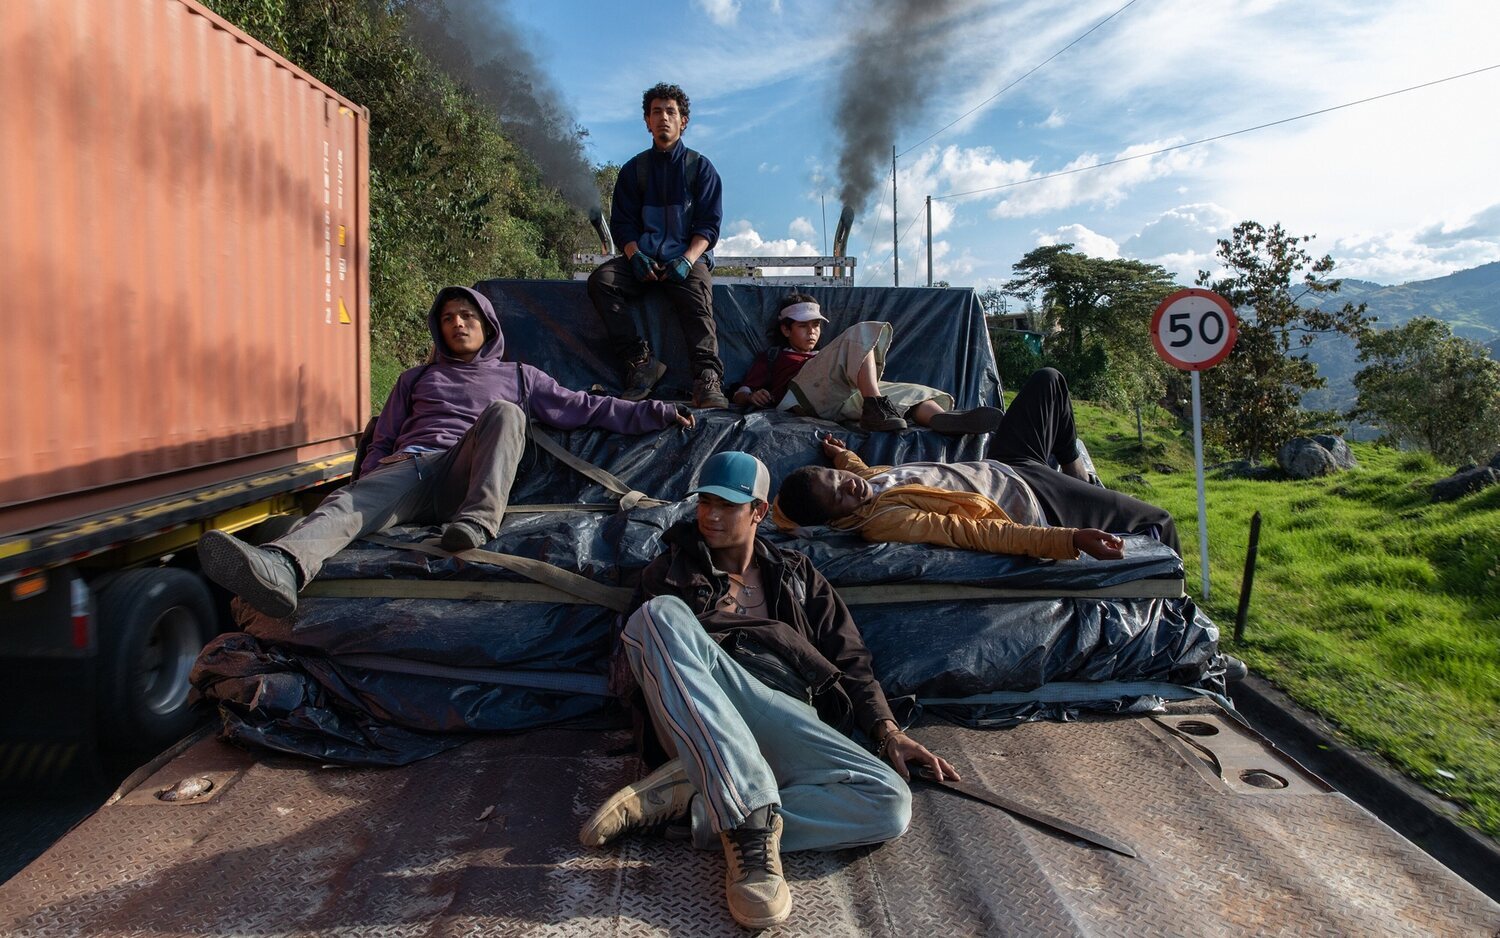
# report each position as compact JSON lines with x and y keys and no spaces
{"x":1251,"y":401}
{"x":1096,"y":314}
{"x":1429,"y":388}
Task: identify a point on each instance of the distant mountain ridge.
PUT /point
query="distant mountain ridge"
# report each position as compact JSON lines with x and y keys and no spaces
{"x":1468,"y":300}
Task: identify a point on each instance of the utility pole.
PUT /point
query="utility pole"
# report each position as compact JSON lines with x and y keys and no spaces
{"x":895,"y":237}
{"x":929,"y":240}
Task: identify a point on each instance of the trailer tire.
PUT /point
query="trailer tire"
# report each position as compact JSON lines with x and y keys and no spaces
{"x":152,"y":625}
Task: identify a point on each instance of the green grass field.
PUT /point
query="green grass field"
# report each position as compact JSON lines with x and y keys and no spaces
{"x":1372,"y":606}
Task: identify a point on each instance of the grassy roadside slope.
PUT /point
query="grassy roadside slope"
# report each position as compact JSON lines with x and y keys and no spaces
{"x":1371,"y":606}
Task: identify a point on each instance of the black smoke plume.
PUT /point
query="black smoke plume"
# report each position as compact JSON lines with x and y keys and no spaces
{"x":892,"y":64}
{"x":478,"y":44}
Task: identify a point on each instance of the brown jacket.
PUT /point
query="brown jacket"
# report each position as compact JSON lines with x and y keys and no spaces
{"x":921,"y":514}
{"x":809,"y":627}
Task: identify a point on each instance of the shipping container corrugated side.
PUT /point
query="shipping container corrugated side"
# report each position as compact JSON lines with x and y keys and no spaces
{"x":184,"y":254}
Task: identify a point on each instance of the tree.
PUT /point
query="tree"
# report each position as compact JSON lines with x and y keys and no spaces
{"x":1096,"y":314}
{"x":452,"y":198}
{"x":1254,"y":396}
{"x":1430,"y":388}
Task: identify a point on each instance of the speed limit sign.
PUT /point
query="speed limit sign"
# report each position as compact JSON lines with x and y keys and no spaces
{"x":1194,"y":329}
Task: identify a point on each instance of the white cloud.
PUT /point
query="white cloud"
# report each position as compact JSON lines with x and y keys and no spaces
{"x":743,"y":239}
{"x":767,"y":167}
{"x":1053,"y":120}
{"x":1106,"y":186}
{"x":1084,"y":240}
{"x":1182,"y":239}
{"x":803,"y":229}
{"x":722,"y":12}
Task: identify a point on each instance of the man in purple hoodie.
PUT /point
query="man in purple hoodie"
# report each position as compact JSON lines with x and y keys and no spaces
{"x":445,"y":448}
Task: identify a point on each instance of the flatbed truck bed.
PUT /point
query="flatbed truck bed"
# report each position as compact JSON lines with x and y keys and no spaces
{"x":1232,"y":839}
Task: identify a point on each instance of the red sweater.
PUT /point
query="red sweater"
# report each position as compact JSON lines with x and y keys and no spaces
{"x":774,"y":370}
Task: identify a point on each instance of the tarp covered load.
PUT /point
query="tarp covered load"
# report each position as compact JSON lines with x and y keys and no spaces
{"x":940,"y":336}
{"x":395,"y":653}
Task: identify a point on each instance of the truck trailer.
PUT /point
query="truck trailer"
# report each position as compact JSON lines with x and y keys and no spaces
{"x":185,"y":252}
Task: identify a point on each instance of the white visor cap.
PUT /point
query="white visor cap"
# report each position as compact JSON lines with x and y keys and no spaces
{"x":804,"y":312}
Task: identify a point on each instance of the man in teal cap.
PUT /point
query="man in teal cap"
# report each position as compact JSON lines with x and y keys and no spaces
{"x":752,"y":669}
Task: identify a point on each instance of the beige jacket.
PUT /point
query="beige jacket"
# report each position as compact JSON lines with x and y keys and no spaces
{"x":921,"y":514}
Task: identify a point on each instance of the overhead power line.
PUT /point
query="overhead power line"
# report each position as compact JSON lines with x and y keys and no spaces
{"x":1034,"y":68}
{"x":1194,"y":143}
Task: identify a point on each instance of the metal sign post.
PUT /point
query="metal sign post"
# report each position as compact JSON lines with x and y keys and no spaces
{"x":1193,"y":330}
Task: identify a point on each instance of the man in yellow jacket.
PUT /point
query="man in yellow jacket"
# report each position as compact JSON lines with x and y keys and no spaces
{"x":1012,"y":503}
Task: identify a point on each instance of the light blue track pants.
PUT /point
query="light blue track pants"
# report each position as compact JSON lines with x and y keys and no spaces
{"x":745,"y":745}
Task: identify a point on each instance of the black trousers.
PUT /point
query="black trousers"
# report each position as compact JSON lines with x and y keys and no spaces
{"x":613,"y":288}
{"x":1039,"y":424}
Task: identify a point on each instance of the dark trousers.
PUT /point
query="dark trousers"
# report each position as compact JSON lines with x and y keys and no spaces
{"x":1039,"y":424}
{"x":470,"y":481}
{"x":613,"y":289}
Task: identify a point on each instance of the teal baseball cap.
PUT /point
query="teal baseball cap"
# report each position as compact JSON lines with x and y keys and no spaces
{"x":735,"y":477}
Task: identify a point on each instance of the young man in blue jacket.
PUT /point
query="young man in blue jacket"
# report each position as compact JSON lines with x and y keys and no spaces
{"x":445,"y":449}
{"x":665,"y":216}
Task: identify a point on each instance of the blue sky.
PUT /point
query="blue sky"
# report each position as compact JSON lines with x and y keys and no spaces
{"x":1399,"y":189}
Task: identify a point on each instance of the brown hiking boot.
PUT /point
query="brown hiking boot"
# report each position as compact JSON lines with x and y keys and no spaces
{"x":649,"y":804}
{"x":641,"y":375}
{"x":753,"y":884}
{"x":708,"y":390}
{"x":879,"y":415}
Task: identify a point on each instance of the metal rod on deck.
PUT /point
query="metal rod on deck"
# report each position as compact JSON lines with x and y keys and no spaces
{"x":1245,"y":584}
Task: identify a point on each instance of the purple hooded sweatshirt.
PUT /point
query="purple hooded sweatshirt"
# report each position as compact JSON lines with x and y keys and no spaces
{"x":432,"y":406}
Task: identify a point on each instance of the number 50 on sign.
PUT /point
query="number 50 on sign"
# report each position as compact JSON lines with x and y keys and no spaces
{"x":1193,"y":329}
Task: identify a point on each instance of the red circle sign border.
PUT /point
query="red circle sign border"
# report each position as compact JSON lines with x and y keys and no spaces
{"x":1229,"y":317}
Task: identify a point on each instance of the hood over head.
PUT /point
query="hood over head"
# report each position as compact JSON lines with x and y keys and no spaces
{"x":494,"y":339}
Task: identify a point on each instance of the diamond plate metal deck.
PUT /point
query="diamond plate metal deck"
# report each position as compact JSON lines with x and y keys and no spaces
{"x":286,"y":848}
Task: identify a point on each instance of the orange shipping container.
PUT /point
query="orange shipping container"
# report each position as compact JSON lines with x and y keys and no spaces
{"x":183,"y":257}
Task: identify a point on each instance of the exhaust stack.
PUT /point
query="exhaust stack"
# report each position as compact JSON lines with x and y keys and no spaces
{"x":841,"y":236}
{"x":601,"y":227}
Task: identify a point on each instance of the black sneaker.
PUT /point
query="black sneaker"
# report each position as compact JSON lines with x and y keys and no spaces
{"x":708,"y":390}
{"x":459,"y":536}
{"x":962,"y":422}
{"x":753,"y":883}
{"x":879,"y":416}
{"x":641,"y":376}
{"x":262,"y":577}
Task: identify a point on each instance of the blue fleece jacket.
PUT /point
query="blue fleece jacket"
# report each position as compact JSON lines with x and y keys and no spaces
{"x":660,"y":223}
{"x":431,"y":406}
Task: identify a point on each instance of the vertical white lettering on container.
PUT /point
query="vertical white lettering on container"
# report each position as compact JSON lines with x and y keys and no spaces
{"x":327,"y":236}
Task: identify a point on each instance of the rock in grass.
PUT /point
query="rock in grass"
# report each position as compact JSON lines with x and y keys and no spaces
{"x":1462,"y":483}
{"x":1307,"y":458}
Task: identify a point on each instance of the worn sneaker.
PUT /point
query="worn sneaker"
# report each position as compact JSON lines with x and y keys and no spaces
{"x":649,"y":804}
{"x":460,"y":536}
{"x":961,"y":422}
{"x":641,"y":376}
{"x":708,"y":390}
{"x":879,"y":415}
{"x":262,"y":577}
{"x":757,"y":891}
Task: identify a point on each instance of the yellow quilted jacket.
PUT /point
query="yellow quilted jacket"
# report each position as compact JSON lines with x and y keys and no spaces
{"x":921,"y":514}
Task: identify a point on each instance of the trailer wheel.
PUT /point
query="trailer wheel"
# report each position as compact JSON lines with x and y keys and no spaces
{"x":152,"y":625}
